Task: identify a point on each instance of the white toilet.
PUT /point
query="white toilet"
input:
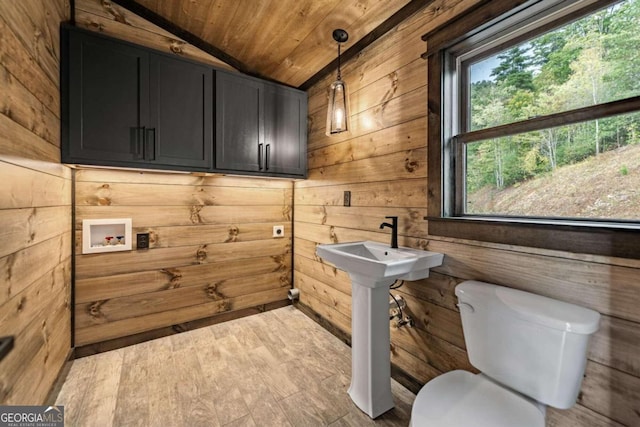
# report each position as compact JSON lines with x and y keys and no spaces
{"x":530,"y":349}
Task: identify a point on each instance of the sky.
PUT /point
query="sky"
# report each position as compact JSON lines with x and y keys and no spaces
{"x":482,"y":70}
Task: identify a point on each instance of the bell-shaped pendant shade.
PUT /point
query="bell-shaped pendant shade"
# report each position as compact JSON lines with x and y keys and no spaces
{"x":338,"y":111}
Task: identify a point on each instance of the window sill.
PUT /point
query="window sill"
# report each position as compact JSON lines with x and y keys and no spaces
{"x":609,"y":239}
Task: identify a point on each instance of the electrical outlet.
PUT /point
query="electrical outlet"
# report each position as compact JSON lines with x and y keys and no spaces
{"x":278,"y":231}
{"x":347,"y":198}
{"x":142,"y":240}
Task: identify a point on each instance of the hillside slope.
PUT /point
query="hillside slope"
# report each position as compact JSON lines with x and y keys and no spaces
{"x":606,"y":186}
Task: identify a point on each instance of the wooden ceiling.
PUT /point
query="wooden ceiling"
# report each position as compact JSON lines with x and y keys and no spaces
{"x":283,"y":40}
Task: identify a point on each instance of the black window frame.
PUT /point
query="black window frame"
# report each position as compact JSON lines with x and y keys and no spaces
{"x":479,"y":28}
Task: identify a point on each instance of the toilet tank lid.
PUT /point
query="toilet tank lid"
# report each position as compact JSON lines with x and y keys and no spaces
{"x":531,"y":307}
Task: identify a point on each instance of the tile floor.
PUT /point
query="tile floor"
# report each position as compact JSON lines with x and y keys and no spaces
{"x":277,"y":368}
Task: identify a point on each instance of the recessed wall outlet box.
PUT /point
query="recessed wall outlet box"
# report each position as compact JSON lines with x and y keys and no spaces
{"x":347,"y":198}
{"x":142,"y":240}
{"x":106,"y":235}
{"x":278,"y":231}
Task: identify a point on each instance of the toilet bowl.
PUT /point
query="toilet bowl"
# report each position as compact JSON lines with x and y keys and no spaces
{"x":460,"y":398}
{"x":530,"y":349}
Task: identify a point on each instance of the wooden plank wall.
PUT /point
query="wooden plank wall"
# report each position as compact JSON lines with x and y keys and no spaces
{"x":383,"y":163}
{"x":212,"y":249}
{"x":35,"y":202}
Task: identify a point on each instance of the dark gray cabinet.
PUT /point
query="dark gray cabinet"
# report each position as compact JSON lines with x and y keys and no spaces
{"x":128,"y":106}
{"x":107,"y":82}
{"x":260,"y":127}
{"x":239,"y":123}
{"x":181,"y":113}
{"x":285,"y":130}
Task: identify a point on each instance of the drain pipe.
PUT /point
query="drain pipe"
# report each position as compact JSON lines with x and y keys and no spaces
{"x":293,"y":294}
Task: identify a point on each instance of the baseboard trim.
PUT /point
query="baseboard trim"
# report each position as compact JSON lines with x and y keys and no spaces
{"x":60,"y":379}
{"x":335,"y":331}
{"x":101,"y":347}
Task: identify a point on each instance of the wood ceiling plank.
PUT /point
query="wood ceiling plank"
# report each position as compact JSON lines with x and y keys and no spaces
{"x":267,"y":25}
{"x":219,"y":17}
{"x":245,"y":27}
{"x":357,"y":17}
{"x":282,"y":36}
{"x":169,"y":8}
{"x":389,"y":53}
{"x":284,"y":40}
{"x":195,"y":13}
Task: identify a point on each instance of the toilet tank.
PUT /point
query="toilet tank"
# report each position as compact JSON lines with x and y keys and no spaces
{"x":530,"y":343}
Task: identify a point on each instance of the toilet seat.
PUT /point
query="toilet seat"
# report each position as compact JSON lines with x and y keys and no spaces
{"x":462,"y":399}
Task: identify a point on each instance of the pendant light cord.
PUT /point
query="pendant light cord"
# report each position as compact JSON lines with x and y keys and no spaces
{"x":339,"y":75}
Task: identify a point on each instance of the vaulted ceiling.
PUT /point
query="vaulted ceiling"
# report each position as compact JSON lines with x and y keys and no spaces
{"x":288,"y":41}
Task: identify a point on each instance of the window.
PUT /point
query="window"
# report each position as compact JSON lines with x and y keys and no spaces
{"x":535,"y":126}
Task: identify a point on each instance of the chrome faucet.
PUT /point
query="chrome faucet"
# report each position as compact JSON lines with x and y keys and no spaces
{"x":394,"y":229}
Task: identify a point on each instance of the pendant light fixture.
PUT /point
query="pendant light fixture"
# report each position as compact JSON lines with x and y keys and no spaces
{"x":338,"y":111}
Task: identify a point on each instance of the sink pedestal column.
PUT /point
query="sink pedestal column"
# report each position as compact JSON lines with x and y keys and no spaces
{"x":370,"y":386}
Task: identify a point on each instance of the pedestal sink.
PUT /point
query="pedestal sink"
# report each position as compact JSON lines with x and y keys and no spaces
{"x":373,"y":267}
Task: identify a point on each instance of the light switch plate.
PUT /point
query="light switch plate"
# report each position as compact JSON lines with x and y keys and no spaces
{"x":347,"y":198}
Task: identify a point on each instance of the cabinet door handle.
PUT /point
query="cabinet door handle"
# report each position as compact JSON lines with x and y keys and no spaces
{"x":150,"y":143}
{"x":268,"y":151}
{"x":137,"y":136}
{"x":260,"y":156}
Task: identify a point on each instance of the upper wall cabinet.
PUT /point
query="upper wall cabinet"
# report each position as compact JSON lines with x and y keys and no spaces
{"x":260,"y":127}
{"x":285,"y":130}
{"x":128,"y":106}
{"x":181,"y":113}
{"x":239,"y":123}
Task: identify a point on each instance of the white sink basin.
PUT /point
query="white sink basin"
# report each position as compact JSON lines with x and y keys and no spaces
{"x":379,"y":261}
{"x":373,"y":267}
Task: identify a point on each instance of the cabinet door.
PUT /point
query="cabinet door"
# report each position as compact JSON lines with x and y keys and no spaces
{"x":239,"y":123}
{"x":108,"y":100}
{"x":180,"y":131}
{"x":285,"y":130}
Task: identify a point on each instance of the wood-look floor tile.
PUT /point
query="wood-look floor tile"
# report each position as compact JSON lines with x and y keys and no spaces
{"x":261,"y":402}
{"x":222,"y":330}
{"x":246,"y":421}
{"x":300,"y":412}
{"x":132,"y":407}
{"x":200,"y":412}
{"x":270,"y":338}
{"x":331,"y":403}
{"x":269,"y":412}
{"x":230,"y":406}
{"x":401,"y":412}
{"x":247,"y":337}
{"x":190,"y":384}
{"x":356,"y":418}
{"x":277,"y":368}
{"x":235,"y":356}
{"x":101,"y":396}
{"x":72,"y":394}
{"x":163,"y":408}
{"x":272,"y":373}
